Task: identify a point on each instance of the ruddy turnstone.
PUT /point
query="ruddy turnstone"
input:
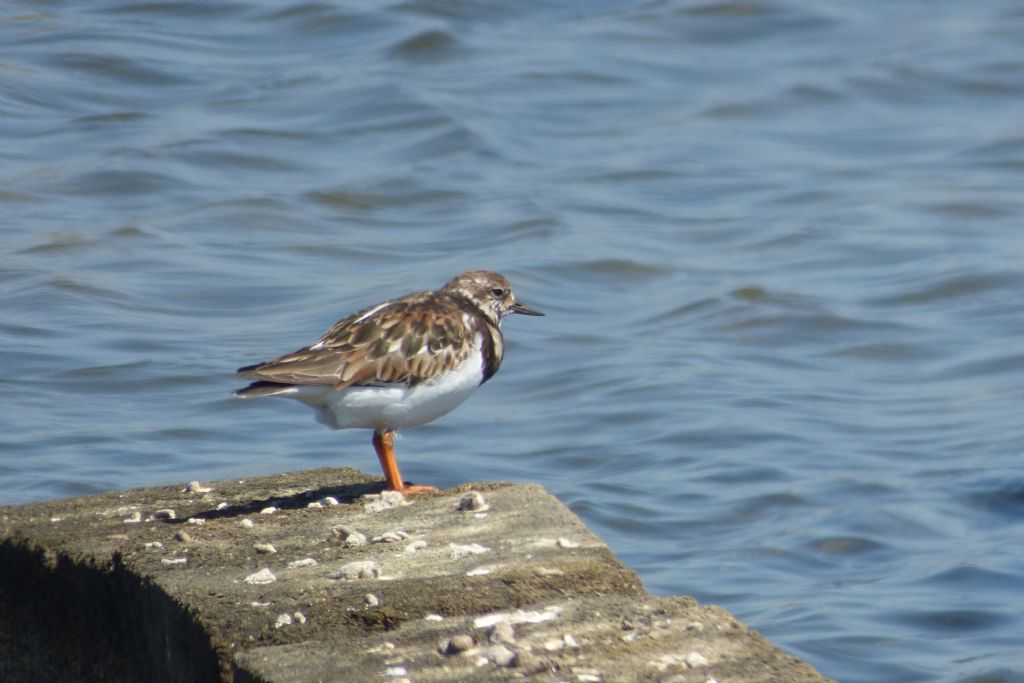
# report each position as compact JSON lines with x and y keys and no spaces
{"x":397,"y":364}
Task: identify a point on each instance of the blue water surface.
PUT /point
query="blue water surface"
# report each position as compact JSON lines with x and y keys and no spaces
{"x":780,"y":245}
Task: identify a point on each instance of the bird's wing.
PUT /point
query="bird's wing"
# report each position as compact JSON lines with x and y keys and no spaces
{"x":406,"y":341}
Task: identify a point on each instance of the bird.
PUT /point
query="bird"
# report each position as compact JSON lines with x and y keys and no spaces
{"x":399,"y":363}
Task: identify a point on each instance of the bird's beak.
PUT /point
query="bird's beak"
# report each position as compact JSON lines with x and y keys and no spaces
{"x":524,"y":310}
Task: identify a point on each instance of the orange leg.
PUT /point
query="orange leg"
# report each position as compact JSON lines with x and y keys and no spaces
{"x":384,"y":444}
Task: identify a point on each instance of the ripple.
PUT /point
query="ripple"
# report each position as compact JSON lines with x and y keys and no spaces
{"x":997,"y":675}
{"x":995,"y":364}
{"x":1005,"y":499}
{"x":888,"y":352}
{"x":611,"y":270}
{"x":58,"y":243}
{"x":370,"y":199}
{"x":764,"y":506}
{"x":452,"y":140}
{"x":865,"y":658}
{"x":794,"y":98}
{"x":1006,"y":152}
{"x":112,"y":379}
{"x":123,"y":183}
{"x":529,"y":229}
{"x":258,"y":135}
{"x":305,"y":19}
{"x":81,"y":288}
{"x":686,"y":310}
{"x":749,"y":294}
{"x":8,"y":196}
{"x":225,"y":160}
{"x":969,"y":210}
{"x":847,"y":545}
{"x":951,"y":288}
{"x":950,"y":621}
{"x":973,"y":577}
{"x":429,"y":45}
{"x":120,"y":68}
{"x":729,"y":21}
{"x":741,"y":474}
{"x":178,"y":9}
{"x":27,"y":331}
{"x":113,"y":117}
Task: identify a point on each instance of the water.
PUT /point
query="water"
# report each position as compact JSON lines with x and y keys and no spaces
{"x":779,"y":243}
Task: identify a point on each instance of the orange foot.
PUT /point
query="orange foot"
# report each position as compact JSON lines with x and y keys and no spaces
{"x":409,"y":489}
{"x":384,"y":444}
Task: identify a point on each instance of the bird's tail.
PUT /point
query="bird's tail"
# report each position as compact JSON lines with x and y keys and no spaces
{"x":258,"y":389}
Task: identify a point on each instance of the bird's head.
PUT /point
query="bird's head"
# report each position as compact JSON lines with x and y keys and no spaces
{"x":490,"y":292}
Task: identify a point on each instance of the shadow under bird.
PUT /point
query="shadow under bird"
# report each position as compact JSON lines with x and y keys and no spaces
{"x":397,"y":364}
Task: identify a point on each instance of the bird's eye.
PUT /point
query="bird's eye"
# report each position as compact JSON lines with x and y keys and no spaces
{"x":499,"y":293}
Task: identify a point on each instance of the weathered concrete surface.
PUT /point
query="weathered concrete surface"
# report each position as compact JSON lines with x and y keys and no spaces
{"x":108,"y":587}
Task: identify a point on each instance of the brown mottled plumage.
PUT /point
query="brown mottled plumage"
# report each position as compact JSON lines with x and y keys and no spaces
{"x":406,"y":340}
{"x":399,"y":363}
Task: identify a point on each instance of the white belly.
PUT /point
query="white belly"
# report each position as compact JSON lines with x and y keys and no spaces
{"x":392,"y":406}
